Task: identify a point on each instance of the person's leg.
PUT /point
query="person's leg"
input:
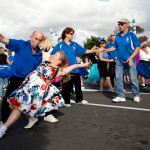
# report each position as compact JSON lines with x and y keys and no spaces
{"x":112,"y":78}
{"x":133,"y":79}
{"x":66,"y":91}
{"x":109,"y":82}
{"x":14,"y":116}
{"x":1,"y":87}
{"x":128,"y":78}
{"x":82,"y":86}
{"x":142,"y":80}
{"x":119,"y":79}
{"x":112,"y":72}
{"x":77,"y":82}
{"x":12,"y":86}
{"x":102,"y":83}
{"x":6,"y":82}
{"x":125,"y":78}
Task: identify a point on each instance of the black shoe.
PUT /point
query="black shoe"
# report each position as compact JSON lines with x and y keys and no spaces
{"x":144,"y":86}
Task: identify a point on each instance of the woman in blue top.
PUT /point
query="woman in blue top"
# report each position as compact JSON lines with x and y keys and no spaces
{"x":4,"y":70}
{"x":103,"y":66}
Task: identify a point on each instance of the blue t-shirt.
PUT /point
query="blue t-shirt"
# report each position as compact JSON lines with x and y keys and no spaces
{"x":71,"y":52}
{"x":126,"y":45}
{"x":24,"y":60}
{"x":114,"y":53}
{"x":105,"y":55}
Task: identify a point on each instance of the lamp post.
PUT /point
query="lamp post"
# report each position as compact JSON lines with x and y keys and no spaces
{"x":134,"y":26}
{"x":52,"y":34}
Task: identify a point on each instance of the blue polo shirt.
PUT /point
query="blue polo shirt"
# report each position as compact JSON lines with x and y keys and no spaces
{"x":71,"y":52}
{"x":24,"y":60}
{"x":126,"y":45}
{"x":114,"y":53}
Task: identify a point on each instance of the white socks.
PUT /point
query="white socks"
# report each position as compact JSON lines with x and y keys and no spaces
{"x":2,"y":130}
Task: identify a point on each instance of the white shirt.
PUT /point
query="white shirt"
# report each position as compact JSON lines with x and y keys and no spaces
{"x":143,"y":56}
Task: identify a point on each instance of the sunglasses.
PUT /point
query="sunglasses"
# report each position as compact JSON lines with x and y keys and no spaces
{"x":71,"y":33}
{"x":103,"y":43}
{"x":112,"y":35}
{"x":121,"y":24}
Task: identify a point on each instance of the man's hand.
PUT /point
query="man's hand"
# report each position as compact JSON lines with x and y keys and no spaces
{"x":130,"y":61}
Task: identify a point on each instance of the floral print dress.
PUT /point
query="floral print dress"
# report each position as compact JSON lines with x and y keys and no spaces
{"x":35,"y":97}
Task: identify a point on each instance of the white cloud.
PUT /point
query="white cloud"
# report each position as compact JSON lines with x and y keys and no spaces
{"x":19,"y":18}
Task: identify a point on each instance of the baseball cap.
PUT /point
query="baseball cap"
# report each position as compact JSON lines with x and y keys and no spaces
{"x":123,"y":20}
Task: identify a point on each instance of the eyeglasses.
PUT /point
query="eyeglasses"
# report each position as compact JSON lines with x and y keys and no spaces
{"x":71,"y":33}
{"x":121,"y":24}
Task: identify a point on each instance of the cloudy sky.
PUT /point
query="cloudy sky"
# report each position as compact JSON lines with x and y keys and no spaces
{"x":19,"y":18}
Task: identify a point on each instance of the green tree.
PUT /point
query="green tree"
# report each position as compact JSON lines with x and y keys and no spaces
{"x":138,"y":29}
{"x":92,"y":41}
{"x":143,"y":39}
{"x":89,"y":44}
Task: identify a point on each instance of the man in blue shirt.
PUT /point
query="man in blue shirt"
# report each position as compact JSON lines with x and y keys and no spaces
{"x":27,"y":58}
{"x":71,"y":49}
{"x":128,"y":47}
{"x":112,"y":55}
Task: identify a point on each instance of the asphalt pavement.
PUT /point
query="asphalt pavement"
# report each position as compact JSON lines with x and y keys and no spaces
{"x":100,"y":125}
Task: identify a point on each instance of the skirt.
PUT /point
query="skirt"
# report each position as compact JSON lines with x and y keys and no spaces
{"x":143,"y":68}
{"x":94,"y":74}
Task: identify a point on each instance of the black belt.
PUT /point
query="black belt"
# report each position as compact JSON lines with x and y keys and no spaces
{"x":144,"y":61}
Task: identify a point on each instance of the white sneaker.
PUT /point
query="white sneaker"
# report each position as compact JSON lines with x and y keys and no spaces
{"x":1,"y":123}
{"x":0,"y":98}
{"x":1,"y":133}
{"x":68,"y":105}
{"x":83,"y":102}
{"x":137,"y":99}
{"x":31,"y":123}
{"x":82,"y":87}
{"x":51,"y":118}
{"x":72,"y":101}
{"x":118,"y":99}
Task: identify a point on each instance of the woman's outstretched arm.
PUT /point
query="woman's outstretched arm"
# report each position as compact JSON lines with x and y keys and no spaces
{"x":67,"y":70}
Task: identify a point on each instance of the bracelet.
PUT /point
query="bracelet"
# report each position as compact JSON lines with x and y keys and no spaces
{"x":132,"y":57}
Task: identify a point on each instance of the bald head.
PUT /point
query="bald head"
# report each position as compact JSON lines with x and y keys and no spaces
{"x":38,"y":32}
{"x":36,"y":38}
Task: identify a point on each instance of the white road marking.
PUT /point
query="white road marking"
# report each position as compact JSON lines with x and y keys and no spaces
{"x":121,"y":107}
{"x":94,"y":90}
